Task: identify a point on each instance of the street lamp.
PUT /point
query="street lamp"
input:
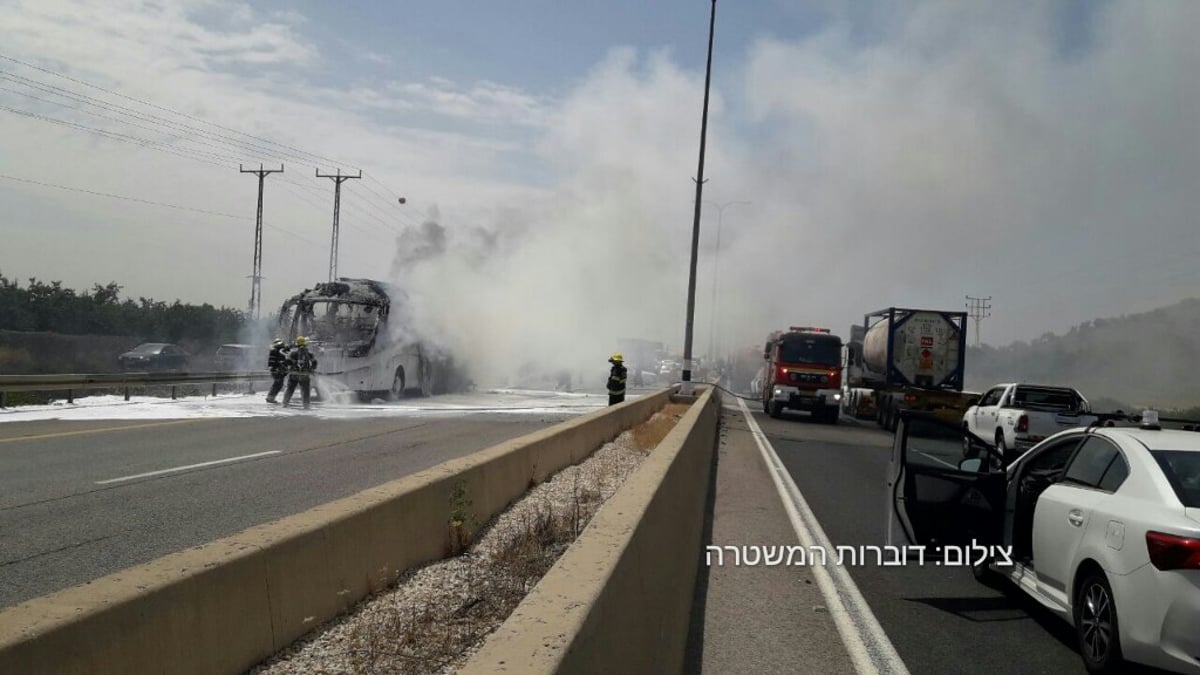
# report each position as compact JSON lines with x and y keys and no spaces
{"x":712,"y":349}
{"x":687,"y":388}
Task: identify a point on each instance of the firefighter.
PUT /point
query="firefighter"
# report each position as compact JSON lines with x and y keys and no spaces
{"x":616,"y":379}
{"x":301,"y":365}
{"x":277,"y":364}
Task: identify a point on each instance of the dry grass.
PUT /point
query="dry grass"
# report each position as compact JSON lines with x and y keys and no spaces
{"x":650,"y":433}
{"x":438,"y":615}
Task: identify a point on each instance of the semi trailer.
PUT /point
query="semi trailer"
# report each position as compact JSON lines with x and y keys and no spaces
{"x":911,"y":359}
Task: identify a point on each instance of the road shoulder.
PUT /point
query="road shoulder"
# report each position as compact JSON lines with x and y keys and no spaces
{"x":761,"y":618}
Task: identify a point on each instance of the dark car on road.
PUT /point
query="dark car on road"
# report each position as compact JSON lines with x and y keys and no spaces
{"x":156,"y":356}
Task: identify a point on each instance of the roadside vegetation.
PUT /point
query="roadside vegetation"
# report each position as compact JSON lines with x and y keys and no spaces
{"x":1142,"y":359}
{"x":46,"y":328}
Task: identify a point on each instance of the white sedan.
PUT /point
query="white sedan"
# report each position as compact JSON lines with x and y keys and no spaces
{"x":1100,"y":525}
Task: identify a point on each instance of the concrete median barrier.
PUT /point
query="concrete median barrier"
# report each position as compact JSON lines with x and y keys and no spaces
{"x":226,"y":606}
{"x":619,"y":600}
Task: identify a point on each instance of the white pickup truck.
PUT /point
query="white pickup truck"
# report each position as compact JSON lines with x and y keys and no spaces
{"x":1017,"y":416}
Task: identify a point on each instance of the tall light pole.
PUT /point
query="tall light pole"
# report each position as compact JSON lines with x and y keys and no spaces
{"x":712,"y":320}
{"x":687,"y":389}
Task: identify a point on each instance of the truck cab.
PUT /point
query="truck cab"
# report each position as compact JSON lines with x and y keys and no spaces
{"x":803,"y":371}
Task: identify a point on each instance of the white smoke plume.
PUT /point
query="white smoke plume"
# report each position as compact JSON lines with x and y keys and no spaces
{"x":553,"y":285}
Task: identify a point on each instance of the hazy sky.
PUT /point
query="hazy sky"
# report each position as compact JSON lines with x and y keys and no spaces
{"x":1043,"y":153}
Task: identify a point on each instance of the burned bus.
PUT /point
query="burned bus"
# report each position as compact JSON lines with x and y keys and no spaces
{"x":361,"y":338}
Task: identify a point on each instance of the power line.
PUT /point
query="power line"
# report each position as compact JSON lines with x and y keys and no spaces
{"x":311,"y":189}
{"x":980,"y":309}
{"x":113,"y":196}
{"x":183,"y":133}
{"x":237,"y":144}
{"x":189,"y":153}
{"x":154,"y":145}
{"x":311,"y":202}
{"x":165,"y":109}
{"x":191,"y":131}
{"x":192,"y":134}
{"x":151,"y":203}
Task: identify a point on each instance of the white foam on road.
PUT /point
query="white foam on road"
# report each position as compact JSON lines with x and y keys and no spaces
{"x":505,"y":401}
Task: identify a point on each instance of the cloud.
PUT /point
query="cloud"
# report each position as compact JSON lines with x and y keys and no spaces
{"x":485,"y":102}
{"x":125,"y":36}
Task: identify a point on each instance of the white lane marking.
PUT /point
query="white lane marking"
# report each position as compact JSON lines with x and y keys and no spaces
{"x":865,"y":640}
{"x":940,"y":461}
{"x":189,"y":466}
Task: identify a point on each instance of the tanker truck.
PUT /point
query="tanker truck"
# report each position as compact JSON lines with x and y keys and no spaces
{"x":913,"y":359}
{"x":857,"y":401}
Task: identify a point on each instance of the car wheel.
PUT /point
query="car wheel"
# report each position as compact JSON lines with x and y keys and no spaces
{"x":766,"y":405}
{"x":1001,"y":446}
{"x":832,"y":416}
{"x":776,"y":409}
{"x":969,"y":449}
{"x":1096,"y":625}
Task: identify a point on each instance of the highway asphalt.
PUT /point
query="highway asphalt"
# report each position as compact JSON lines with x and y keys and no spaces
{"x":938,"y":619}
{"x":82,"y":499}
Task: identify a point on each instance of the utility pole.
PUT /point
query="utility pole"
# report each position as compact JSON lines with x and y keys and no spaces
{"x":712,"y":346}
{"x":256,"y":278}
{"x":980,"y":310}
{"x":338,"y":179}
{"x":687,"y":389}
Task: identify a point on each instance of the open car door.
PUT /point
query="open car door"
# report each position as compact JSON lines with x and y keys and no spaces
{"x":937,"y":499}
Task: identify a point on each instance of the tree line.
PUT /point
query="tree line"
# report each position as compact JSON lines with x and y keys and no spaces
{"x":1145,"y":359}
{"x":48,"y":306}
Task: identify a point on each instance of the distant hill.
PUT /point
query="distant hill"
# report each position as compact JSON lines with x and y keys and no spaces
{"x":1148,"y":359}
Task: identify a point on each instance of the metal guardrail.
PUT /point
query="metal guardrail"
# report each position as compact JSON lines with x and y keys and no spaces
{"x":125,"y":381}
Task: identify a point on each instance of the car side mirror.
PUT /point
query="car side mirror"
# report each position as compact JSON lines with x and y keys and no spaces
{"x":971,"y":464}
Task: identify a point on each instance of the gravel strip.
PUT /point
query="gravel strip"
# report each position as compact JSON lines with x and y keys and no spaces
{"x":440,"y":614}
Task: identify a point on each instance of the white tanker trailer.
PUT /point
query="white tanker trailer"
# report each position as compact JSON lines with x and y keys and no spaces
{"x":911,"y":359}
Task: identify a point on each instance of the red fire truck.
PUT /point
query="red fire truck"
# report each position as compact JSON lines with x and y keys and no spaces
{"x":803,"y":372}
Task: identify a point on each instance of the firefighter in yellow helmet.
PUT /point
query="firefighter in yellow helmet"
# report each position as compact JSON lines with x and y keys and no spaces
{"x":301,"y":365}
{"x":616,"y":379}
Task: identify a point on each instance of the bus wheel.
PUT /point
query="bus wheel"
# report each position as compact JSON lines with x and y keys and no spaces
{"x":426,"y":378}
{"x":397,"y":391}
